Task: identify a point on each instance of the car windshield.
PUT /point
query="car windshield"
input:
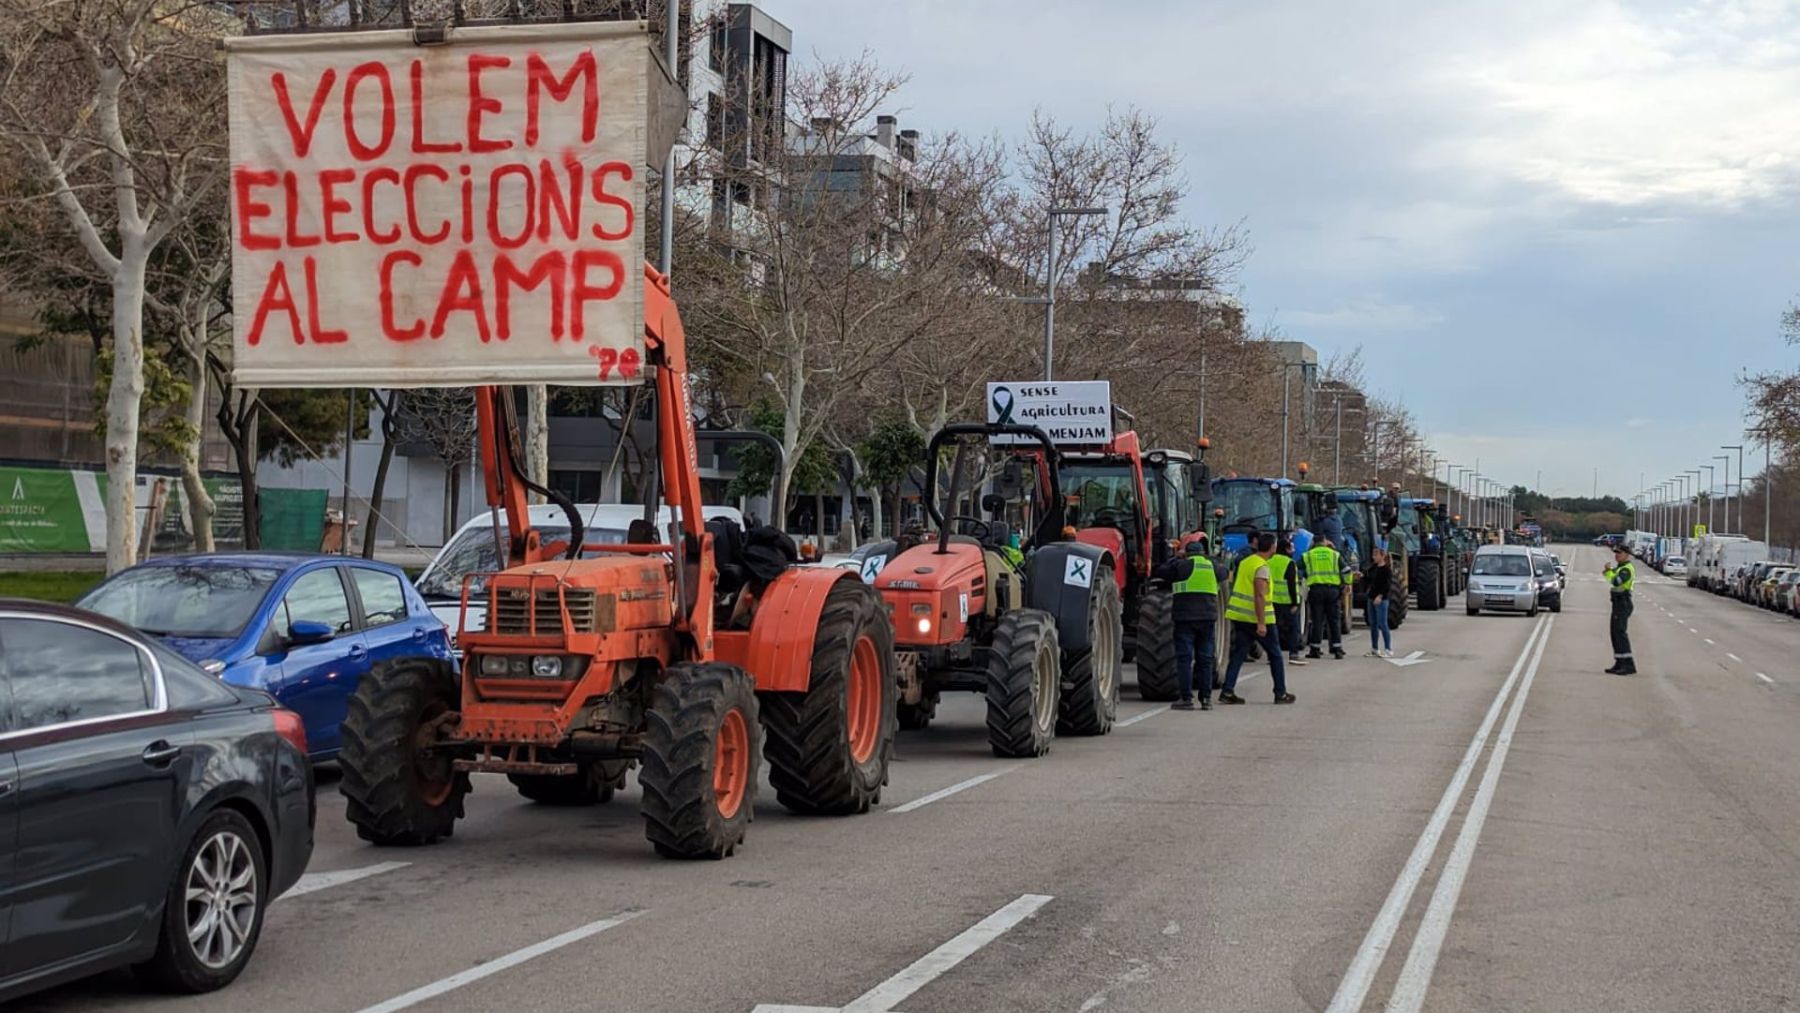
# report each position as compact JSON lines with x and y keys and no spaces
{"x":1247,"y":504}
{"x":1677,"y":559}
{"x":1497,"y":565}
{"x":184,"y":601}
{"x":473,"y":552}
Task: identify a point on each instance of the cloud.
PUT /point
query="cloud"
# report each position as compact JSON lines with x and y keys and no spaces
{"x":1374,"y":314}
{"x":1638,"y":423}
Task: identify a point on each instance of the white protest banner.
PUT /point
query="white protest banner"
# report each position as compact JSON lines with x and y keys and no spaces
{"x":412,"y":215}
{"x":1070,"y":412}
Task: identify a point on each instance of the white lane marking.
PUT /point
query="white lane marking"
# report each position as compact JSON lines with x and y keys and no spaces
{"x":1734,"y":657}
{"x":927,"y":969}
{"x":1693,"y":631}
{"x":1361,"y":974}
{"x":1765,"y":678}
{"x":1415,"y":658}
{"x":943,"y":793}
{"x":1709,"y":641}
{"x":1135,"y":718}
{"x":313,"y":882}
{"x":1415,"y":975}
{"x":498,"y":964}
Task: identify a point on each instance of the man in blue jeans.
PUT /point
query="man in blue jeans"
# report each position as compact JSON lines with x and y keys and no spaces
{"x":1195,"y":583}
{"x":1252,"y":615}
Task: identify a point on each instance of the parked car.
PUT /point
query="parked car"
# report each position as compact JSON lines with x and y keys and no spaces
{"x":1503,"y":579}
{"x":1784,"y":592}
{"x":153,"y":812}
{"x":1675,"y":566}
{"x":1765,"y":594}
{"x":305,"y":628}
{"x":1549,"y":583}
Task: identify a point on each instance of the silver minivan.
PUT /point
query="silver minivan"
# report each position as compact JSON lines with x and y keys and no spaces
{"x":1502,"y":580}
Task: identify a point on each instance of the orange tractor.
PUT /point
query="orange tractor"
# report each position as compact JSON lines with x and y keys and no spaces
{"x":1033,"y":623}
{"x":691,"y":652}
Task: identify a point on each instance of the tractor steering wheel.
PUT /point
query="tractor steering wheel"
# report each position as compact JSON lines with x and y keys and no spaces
{"x":1108,"y":517}
{"x":974,"y":527}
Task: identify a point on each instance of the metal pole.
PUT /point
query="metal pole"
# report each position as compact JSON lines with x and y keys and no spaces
{"x":1202,"y":394}
{"x":1711,"y":480}
{"x":1768,"y":486}
{"x":671,"y":52}
{"x":1050,"y":306}
{"x":1284,"y":422}
{"x":1739,"y":447}
{"x":1727,"y":459}
{"x":349,"y":450}
{"x":1337,"y":453}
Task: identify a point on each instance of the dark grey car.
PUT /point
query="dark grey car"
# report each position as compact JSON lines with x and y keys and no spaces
{"x":148,"y":812}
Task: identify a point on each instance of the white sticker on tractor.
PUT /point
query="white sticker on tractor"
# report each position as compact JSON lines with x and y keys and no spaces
{"x":1078,"y":572}
{"x":872,"y":567}
{"x":962,"y":605}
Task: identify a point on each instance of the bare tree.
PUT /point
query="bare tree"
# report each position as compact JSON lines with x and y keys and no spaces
{"x":116,"y":109}
{"x":443,"y":418}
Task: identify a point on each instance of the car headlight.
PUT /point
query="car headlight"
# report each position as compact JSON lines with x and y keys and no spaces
{"x":547,"y":666}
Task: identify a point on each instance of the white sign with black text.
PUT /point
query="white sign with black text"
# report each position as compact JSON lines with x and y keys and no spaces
{"x":1070,"y":412}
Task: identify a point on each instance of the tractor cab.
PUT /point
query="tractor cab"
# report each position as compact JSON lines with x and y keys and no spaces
{"x":1249,"y":506}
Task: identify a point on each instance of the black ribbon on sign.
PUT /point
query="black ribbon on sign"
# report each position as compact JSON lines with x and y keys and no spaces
{"x":1003,"y":411}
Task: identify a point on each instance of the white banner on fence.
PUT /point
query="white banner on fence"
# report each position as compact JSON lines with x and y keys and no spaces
{"x":441,"y":215}
{"x":1071,"y":412}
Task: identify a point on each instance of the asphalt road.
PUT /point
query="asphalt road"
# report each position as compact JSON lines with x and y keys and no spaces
{"x":1498,"y":826}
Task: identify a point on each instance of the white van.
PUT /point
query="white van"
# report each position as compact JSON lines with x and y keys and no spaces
{"x":472,"y":550}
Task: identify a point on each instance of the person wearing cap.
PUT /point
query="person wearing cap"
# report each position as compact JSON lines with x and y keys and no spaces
{"x":1251,"y":609}
{"x":1620,"y":576}
{"x":1194,"y":580}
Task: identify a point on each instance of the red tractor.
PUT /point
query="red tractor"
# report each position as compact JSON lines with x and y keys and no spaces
{"x":693,"y":653}
{"x":1139,"y":507}
{"x":1033,"y":622}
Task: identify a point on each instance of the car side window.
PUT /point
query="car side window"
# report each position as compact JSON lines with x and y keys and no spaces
{"x":317,"y":596}
{"x":61,"y":672}
{"x":383,"y":596}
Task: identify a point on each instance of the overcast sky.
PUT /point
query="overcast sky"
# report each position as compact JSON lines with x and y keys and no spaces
{"x":1559,"y":229}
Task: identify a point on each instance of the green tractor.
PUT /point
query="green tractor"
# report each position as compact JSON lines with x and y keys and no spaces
{"x":1434,"y":569}
{"x":1360,"y":510}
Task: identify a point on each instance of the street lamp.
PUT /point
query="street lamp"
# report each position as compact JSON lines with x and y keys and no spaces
{"x":1712,"y":474}
{"x":1739,"y":447}
{"x":1694,"y":498}
{"x":1727,"y":505}
{"x":1375,"y":445}
{"x":1050,"y":285}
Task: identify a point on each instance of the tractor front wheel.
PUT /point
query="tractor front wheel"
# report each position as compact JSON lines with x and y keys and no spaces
{"x":1156,"y":645}
{"x":915,"y":717}
{"x":399,"y":792}
{"x":829,"y":747}
{"x":1024,"y":682}
{"x":700,"y":760}
{"x":1090,"y":692}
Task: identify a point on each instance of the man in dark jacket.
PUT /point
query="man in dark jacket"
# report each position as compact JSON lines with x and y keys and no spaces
{"x":1195,"y":581}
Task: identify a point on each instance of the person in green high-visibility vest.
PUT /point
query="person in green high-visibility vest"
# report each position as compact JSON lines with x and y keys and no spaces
{"x":1620,"y":576}
{"x":1285,"y":590}
{"x":1194,"y":581}
{"x":1251,"y":609}
{"x":1325,"y":572}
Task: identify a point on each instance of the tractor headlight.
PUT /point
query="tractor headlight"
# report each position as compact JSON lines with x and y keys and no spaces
{"x":547,"y":666}
{"x":496,"y":665}
{"x":925,"y":625}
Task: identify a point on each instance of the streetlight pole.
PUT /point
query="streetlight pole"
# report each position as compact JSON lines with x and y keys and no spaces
{"x":1727,"y":459}
{"x":1694,"y":500}
{"x":1711,"y":480}
{"x":1050,"y":285}
{"x":1739,"y":447}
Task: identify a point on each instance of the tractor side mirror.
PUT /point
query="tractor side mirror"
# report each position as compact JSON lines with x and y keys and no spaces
{"x":1200,"y":482}
{"x":1010,"y":485}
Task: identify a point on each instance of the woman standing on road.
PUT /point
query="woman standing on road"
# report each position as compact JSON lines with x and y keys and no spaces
{"x":1379,"y":578}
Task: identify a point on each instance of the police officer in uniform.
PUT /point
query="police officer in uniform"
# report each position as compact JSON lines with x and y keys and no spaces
{"x":1620,"y":576}
{"x":1284,"y":584}
{"x":1195,"y":583}
{"x":1325,"y":568}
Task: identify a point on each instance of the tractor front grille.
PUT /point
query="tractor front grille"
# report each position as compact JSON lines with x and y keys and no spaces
{"x":513,"y":613}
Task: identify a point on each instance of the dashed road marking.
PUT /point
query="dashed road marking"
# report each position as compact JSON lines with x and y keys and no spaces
{"x":498,"y":964}
{"x":943,"y":793}
{"x":932,"y":966}
{"x":1135,"y":718}
{"x":1734,"y":657}
{"x":1765,"y":678}
{"x":313,"y":882}
{"x":1709,"y":641}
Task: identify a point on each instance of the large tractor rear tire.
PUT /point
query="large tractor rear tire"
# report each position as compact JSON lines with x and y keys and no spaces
{"x":397,"y":792}
{"x":1024,"y":681}
{"x":1398,"y":604}
{"x":1091,"y":676}
{"x":700,"y":758}
{"x":589,"y":786}
{"x":1430,"y":577}
{"x":1156,"y":645}
{"x":829,"y":747}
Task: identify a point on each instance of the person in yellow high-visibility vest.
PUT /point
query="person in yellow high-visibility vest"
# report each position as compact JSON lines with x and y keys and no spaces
{"x":1325,"y":573}
{"x":1286,"y":593}
{"x":1251,"y":610}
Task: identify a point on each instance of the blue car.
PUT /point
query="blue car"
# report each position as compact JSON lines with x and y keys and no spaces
{"x":304,"y":628}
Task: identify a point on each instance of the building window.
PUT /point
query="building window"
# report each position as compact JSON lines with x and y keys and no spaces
{"x":719,"y":44}
{"x":715,"y":121}
{"x":578,"y":486}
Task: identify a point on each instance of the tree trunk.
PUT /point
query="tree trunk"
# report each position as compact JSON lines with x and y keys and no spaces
{"x":123,"y":401}
{"x":200,"y":505}
{"x":450,"y":503}
{"x":373,"y":523}
{"x":537,"y":436}
{"x":899,"y":506}
{"x":875,"y":508}
{"x":247,"y":453}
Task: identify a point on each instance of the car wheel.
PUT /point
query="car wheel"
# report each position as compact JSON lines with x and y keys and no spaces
{"x":213,"y":913}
